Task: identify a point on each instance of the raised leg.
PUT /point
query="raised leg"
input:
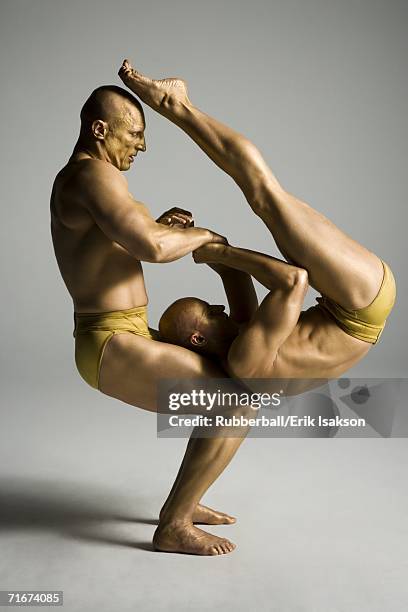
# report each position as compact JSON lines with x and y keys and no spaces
{"x":338,"y":266}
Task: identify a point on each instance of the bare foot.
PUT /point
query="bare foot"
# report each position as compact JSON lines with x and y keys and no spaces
{"x":160,"y":95}
{"x":208,"y":516}
{"x":183,"y":537}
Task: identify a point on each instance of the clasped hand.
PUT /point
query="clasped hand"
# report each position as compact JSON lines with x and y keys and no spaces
{"x":176,"y":217}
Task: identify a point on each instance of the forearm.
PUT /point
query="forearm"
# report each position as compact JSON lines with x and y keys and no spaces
{"x":231,"y":151}
{"x":173,"y":243}
{"x":269,"y":271}
{"x":241,"y":294}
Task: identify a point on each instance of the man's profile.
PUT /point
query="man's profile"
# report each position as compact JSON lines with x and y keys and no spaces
{"x":101,"y":234}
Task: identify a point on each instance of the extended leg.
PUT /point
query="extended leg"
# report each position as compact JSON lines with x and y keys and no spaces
{"x":338,"y":266}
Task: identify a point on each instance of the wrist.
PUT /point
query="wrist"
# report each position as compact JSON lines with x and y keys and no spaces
{"x":218,"y":257}
{"x":225,"y":253}
{"x":208,"y":236}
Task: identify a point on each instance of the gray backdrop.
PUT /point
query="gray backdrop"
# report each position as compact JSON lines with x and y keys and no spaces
{"x":320,"y":86}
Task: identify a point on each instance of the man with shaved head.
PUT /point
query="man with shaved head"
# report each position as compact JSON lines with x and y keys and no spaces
{"x":100,"y":235}
{"x":113,"y":107}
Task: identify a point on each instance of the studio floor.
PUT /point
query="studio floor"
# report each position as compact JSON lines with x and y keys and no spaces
{"x":321,"y":523}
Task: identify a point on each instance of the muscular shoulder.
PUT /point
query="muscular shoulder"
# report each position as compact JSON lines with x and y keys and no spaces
{"x":93,"y":177}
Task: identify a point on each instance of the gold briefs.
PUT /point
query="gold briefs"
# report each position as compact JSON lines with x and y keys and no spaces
{"x":366,"y":323}
{"x":94,"y":330}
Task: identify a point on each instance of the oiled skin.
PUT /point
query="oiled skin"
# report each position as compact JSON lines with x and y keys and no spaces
{"x":100,"y":233}
{"x":305,"y":344}
{"x":93,"y":185}
{"x":112,"y":276}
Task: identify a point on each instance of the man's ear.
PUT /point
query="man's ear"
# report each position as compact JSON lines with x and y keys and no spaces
{"x":99,"y":129}
{"x":197,"y":339}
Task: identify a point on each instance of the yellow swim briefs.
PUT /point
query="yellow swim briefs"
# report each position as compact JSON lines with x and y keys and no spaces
{"x":94,"y":330}
{"x":367,"y":323}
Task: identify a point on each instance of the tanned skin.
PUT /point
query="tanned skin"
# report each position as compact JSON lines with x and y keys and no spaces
{"x":100,"y":235}
{"x":277,"y":339}
{"x":280,"y":341}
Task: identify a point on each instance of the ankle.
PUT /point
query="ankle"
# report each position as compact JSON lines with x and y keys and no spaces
{"x":167,"y":522}
{"x":169,"y":515}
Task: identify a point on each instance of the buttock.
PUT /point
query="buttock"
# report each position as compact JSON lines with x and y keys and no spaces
{"x":94,"y":330}
{"x":366,"y":323}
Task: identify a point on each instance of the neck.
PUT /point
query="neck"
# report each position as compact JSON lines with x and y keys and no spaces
{"x":220,"y":353}
{"x":90,"y":149}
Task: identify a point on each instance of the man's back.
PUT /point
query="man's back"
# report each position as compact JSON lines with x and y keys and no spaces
{"x":316,"y":348}
{"x":99,"y":273}
{"x":281,"y":341}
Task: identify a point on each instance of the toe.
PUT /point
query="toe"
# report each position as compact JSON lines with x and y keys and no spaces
{"x":231,"y":546}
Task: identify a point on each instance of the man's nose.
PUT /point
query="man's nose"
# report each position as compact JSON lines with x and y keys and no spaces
{"x":142,"y":145}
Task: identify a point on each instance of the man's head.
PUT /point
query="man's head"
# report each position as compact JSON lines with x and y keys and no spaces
{"x":198,"y":326}
{"x":112,"y":121}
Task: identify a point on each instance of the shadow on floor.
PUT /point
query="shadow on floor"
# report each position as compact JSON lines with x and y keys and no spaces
{"x":69,"y":509}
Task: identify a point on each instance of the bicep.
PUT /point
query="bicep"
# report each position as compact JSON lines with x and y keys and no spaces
{"x":119,"y":216}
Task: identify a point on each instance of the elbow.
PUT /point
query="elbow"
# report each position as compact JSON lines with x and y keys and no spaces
{"x":153,"y":252}
{"x":158,"y":252}
{"x":300,"y":280}
{"x":297,"y":278}
{"x":301,"y":277}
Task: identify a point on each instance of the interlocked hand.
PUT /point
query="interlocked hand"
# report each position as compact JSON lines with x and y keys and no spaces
{"x":176,"y":217}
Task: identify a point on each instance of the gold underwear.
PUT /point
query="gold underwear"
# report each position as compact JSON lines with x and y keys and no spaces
{"x":366,"y":323}
{"x":94,"y":330}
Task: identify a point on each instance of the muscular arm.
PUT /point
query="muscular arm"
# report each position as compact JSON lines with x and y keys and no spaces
{"x":105,"y":195}
{"x":271,"y":272}
{"x":239,"y":290}
{"x":253,"y":352}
